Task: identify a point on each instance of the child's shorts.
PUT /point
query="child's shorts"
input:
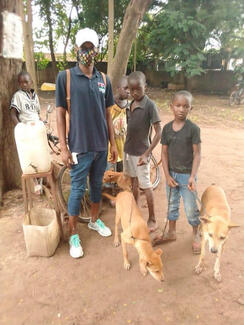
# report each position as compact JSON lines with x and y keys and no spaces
{"x":141,"y":172}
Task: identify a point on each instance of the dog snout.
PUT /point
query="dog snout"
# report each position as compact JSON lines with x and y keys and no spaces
{"x":213,"y":250}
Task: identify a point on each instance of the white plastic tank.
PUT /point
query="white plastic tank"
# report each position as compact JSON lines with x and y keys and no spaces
{"x":32,"y":147}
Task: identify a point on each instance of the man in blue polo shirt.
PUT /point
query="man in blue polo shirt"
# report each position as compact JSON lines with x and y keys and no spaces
{"x":90,"y":128}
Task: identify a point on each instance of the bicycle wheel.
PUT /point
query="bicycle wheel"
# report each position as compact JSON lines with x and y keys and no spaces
{"x":234,"y":98}
{"x":155,"y":175}
{"x":64,"y":192}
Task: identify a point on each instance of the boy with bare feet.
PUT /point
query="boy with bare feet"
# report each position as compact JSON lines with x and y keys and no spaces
{"x":118,"y":114}
{"x":25,"y":108}
{"x":181,"y":155}
{"x":141,"y":115}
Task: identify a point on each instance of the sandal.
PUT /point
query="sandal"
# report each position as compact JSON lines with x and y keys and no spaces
{"x":163,"y":239}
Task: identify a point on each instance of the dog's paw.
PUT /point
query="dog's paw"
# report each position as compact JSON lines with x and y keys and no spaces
{"x":217,"y":276}
{"x":127,"y":265}
{"x":116,"y":243}
{"x":198,"y":269}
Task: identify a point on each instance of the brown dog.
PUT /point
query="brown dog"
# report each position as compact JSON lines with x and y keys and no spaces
{"x":135,"y":232}
{"x":215,"y":225}
{"x":123,"y":181}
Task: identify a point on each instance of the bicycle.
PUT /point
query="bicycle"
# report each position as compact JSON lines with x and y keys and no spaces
{"x":63,"y":178}
{"x":53,"y":141}
{"x":64,"y":192}
{"x":237,"y":95}
{"x":155,"y":174}
{"x":64,"y":189}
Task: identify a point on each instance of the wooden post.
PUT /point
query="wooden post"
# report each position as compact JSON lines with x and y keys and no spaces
{"x":110,"y":34}
{"x":10,"y":66}
{"x":26,"y":11}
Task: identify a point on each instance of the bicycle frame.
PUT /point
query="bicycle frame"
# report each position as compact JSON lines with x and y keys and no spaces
{"x":53,"y":140}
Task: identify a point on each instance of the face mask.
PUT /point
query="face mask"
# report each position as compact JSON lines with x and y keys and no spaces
{"x":86,"y":57}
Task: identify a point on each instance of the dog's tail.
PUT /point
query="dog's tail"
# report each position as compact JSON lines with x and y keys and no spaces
{"x":110,"y":197}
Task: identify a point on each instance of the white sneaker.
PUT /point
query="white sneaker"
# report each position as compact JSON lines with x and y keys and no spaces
{"x":75,"y":249}
{"x":100,"y":227}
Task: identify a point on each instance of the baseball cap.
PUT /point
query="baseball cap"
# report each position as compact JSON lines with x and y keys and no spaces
{"x":86,"y":35}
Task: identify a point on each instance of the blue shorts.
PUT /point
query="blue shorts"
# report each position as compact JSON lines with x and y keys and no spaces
{"x":189,"y":199}
{"x":94,"y":165}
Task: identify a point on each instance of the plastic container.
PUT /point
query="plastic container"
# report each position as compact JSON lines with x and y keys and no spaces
{"x":41,"y":232}
{"x":32,"y":147}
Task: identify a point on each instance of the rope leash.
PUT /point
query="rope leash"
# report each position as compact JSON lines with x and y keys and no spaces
{"x":167,"y":221}
{"x":200,"y":203}
{"x":197,"y":199}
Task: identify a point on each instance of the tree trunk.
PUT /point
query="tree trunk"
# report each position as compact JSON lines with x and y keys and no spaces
{"x":135,"y":52}
{"x":133,"y":16}
{"x":9,"y":68}
{"x":68,"y":36}
{"x":110,"y":34}
{"x":50,"y":38}
{"x":28,"y":40}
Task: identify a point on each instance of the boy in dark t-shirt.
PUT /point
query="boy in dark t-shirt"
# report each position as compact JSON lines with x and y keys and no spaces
{"x":181,"y":147}
{"x":141,"y":116}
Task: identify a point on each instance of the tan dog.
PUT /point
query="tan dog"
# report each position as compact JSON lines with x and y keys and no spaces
{"x":215,"y":225}
{"x":135,"y":232}
{"x":123,"y":181}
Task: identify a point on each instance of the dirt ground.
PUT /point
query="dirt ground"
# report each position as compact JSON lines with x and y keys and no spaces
{"x":96,"y":290}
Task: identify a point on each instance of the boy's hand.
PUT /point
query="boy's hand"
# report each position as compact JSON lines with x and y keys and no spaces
{"x":66,"y":157}
{"x":143,"y":160}
{"x":171,"y":182}
{"x":113,"y":154}
{"x":192,"y":184}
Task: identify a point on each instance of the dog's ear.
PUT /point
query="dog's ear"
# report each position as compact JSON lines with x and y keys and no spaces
{"x":232,"y":225}
{"x":205,"y":219}
{"x":159,"y":251}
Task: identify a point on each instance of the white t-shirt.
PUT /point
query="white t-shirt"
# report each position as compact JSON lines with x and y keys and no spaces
{"x":27,"y":107}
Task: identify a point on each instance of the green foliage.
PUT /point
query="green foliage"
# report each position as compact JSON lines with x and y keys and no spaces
{"x":47,"y":15}
{"x":92,"y":14}
{"x":61,"y":64}
{"x":175,"y":33}
{"x":95,"y":13}
{"x":42,"y":62}
{"x":179,"y":41}
{"x":181,"y":30}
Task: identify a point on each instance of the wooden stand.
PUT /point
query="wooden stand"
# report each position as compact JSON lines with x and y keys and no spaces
{"x":28,"y":203}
